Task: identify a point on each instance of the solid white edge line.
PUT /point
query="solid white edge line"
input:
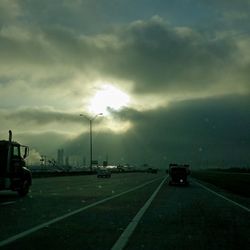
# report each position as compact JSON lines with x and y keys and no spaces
{"x":223,"y":197}
{"x":46,"y":224}
{"x":124,"y":237}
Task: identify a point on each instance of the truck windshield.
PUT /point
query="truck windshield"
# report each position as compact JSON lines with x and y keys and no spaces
{"x":15,"y":151}
{"x":178,"y":170}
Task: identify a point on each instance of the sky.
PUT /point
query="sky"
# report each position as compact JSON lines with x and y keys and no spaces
{"x":172,"y":79}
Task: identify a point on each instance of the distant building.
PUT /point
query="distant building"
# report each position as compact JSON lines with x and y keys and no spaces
{"x":60,"y":157}
{"x":67,"y":161}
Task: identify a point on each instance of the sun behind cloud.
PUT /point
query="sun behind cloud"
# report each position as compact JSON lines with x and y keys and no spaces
{"x":108,"y":97}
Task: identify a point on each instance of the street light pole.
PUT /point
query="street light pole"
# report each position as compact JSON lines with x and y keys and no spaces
{"x":90,"y":144}
{"x":90,"y":138}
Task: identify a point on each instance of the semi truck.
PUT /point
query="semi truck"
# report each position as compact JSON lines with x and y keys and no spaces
{"x":13,"y":172}
{"x":178,"y":174}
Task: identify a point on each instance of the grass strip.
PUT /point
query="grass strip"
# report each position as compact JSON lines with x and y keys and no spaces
{"x":237,"y":183}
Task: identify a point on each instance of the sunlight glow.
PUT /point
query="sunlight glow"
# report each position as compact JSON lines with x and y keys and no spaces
{"x":108,"y":97}
{"x":119,"y":127}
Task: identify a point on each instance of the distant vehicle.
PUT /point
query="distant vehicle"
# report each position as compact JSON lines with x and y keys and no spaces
{"x":103,"y":173}
{"x":13,"y":173}
{"x":178,"y":174}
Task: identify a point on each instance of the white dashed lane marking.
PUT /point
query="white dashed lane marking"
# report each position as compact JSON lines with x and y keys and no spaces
{"x":123,"y":239}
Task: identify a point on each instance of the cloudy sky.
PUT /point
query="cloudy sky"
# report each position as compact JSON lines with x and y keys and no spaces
{"x":172,"y":79}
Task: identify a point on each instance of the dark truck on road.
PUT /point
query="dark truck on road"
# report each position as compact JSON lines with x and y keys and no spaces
{"x":13,"y":173}
{"x":178,"y":174}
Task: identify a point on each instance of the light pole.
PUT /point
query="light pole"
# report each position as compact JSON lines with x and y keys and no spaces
{"x":90,"y":137}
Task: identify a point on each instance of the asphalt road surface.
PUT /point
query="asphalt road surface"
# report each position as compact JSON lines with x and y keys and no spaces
{"x":127,"y":211}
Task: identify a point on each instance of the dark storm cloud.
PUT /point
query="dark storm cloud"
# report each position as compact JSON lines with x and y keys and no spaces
{"x":209,"y":131}
{"x":204,"y":132}
{"x":204,"y":120}
{"x":157,"y":56}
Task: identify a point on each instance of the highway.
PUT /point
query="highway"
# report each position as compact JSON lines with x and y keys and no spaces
{"x":127,"y":211}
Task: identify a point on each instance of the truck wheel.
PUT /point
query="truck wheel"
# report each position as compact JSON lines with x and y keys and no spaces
{"x":24,"y":190}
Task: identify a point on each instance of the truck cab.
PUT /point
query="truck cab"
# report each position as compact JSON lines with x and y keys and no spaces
{"x":13,"y":173}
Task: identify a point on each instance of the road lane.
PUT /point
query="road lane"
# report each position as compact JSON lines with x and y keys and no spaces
{"x":44,"y":206}
{"x":54,"y":197}
{"x":178,"y":218}
{"x":95,"y":228}
{"x":124,"y":238}
{"x":191,"y":218}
